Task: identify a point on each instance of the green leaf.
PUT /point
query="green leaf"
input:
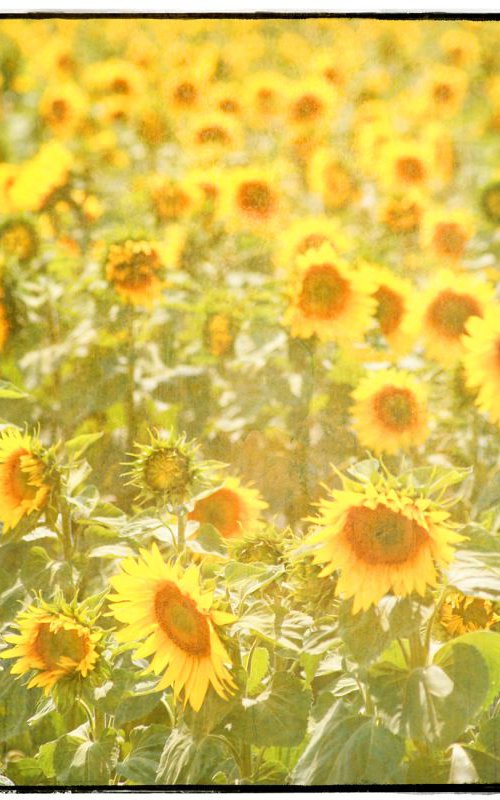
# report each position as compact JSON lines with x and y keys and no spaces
{"x":487,"y":643}
{"x":10,"y":392}
{"x":259,"y":666}
{"x":372,"y":754}
{"x":248,"y":578}
{"x":79,"y":445}
{"x":462,"y":769}
{"x":476,"y":573}
{"x":421,"y":712}
{"x":186,"y":760}
{"x":17,"y":704}
{"x":486,"y":765}
{"x":365,"y":634}
{"x":278,"y":716}
{"x":207,"y":541}
{"x":78,"y":760}
{"x":146,"y":746}
{"x":136,"y":706}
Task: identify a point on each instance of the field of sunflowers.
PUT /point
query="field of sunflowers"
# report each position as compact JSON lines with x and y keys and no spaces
{"x":249,"y":402}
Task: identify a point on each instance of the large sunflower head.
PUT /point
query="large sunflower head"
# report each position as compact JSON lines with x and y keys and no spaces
{"x":135,"y":269}
{"x":482,"y":361}
{"x":382,"y":537}
{"x":390,"y":411}
{"x":167,"y":471}
{"x":58,"y":642}
{"x":447,"y":304}
{"x":26,"y":479}
{"x":166,"y":605}
{"x":461,"y":614}
{"x":329,"y":298}
{"x":233,"y":509}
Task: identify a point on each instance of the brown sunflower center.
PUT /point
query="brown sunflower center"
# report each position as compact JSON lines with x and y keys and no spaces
{"x":229,"y":106}
{"x":52,"y":646}
{"x":19,"y":239}
{"x":167,"y":470}
{"x":133,"y":268}
{"x":257,"y":199}
{"x":324,"y":292}
{"x":410,"y":169}
{"x":171,"y":202}
{"x":450,"y":239}
{"x":443,"y":93}
{"x":449,"y":312}
{"x":310,"y":242}
{"x":18,"y":480}
{"x":382,"y":536}
{"x":59,"y":110}
{"x":396,"y":408}
{"x":179,"y":618}
{"x":222,"y":509}
{"x":390,"y":309}
{"x":185,"y":94}
{"x":120,"y":86}
{"x":402,"y":215}
{"x":213,"y":134}
{"x":307,"y":107}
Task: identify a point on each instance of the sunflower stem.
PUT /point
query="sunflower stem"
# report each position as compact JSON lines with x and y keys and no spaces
{"x":246,"y":760}
{"x":131,"y":359}
{"x":430,"y":624}
{"x":181,"y":532}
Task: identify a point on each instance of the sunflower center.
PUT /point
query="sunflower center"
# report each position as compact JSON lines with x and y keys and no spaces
{"x":307,"y":107}
{"x":185,"y":94}
{"x":171,"y":202}
{"x":449,"y":238}
{"x":410,"y":169}
{"x":443,"y":93}
{"x":255,"y":197}
{"x":213,"y":134}
{"x":390,"y":309}
{"x":395,"y":407}
{"x":310,"y":242}
{"x":228,"y":106}
{"x":450,"y":311}
{"x":120,"y":86}
{"x":52,"y":646}
{"x":324,"y":292}
{"x":475,"y":614}
{"x":19,"y":476}
{"x":136,"y":270}
{"x":382,"y":536}
{"x":222,"y":509}
{"x":179,"y":618}
{"x":59,"y":110}
{"x":167,"y":470}
{"x":266,"y":99}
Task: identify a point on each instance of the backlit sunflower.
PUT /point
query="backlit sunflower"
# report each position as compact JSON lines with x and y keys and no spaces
{"x":305,"y":234}
{"x":393,"y":296}
{"x":482,"y":361}
{"x":445,"y":308}
{"x":446,"y":232}
{"x":54,"y":643}
{"x":165,"y":603}
{"x":329,"y":298}
{"x":136,"y":271}
{"x":383,"y":539}
{"x":390,"y":411}
{"x":24,"y":477}
{"x":233,"y":509}
{"x":330,"y":177}
{"x":461,"y":614}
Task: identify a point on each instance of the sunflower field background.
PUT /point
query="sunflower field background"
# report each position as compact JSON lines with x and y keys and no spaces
{"x":249,"y":401}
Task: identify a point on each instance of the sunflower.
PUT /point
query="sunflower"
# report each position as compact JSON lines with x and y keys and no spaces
{"x":482,"y":361}
{"x":405,"y":164}
{"x":250,"y":198}
{"x":461,"y":614}
{"x":311,"y":102}
{"x":165,"y":603}
{"x":114,"y":77}
{"x":402,"y":212}
{"x":225,"y":98}
{"x":24,"y":473}
{"x":19,"y":239}
{"x":390,"y":411}
{"x":233,"y":509}
{"x":219,"y":333}
{"x":447,"y":304}
{"x":382,"y":538}
{"x":40,"y":176}
{"x":213,"y":136}
{"x":461,"y":47}
{"x":329,"y":176}
{"x":264,"y":98}
{"x":4,"y":323}
{"x":56,"y":644}
{"x":136,"y":271}
{"x":305,"y":234}
{"x":329,"y":298}
{"x":445,"y":91}
{"x":446,"y":232}
{"x":173,"y":200}
{"x":63,"y":107}
{"x":393,"y":296}
{"x":185,"y":92}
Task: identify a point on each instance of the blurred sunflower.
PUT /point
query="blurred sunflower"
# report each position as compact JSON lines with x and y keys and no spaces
{"x":461,"y":614}
{"x":482,"y":361}
{"x":382,"y":539}
{"x":225,"y":98}
{"x":393,"y":295}
{"x":19,"y":239}
{"x":329,"y":298}
{"x":165,"y":603}
{"x":250,"y":198}
{"x":405,"y":164}
{"x":185,"y":91}
{"x":135,"y":270}
{"x":402,"y":213}
{"x":329,"y":176}
{"x":114,"y":76}
{"x":63,"y":107}
{"x":264,"y":98}
{"x":305,"y":234}
{"x":210,"y":137}
{"x":233,"y":509}
{"x":53,"y":643}
{"x":173,"y":200}
{"x":446,"y":232}
{"x":39,"y":177}
{"x":445,"y":90}
{"x":445,"y":308}
{"x":390,"y":411}
{"x":311,"y":102}
{"x":461,"y":47}
{"x":219,"y":333}
{"x":24,"y":477}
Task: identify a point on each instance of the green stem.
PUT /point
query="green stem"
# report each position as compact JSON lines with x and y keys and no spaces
{"x":90,"y":717}
{"x":246,"y":760}
{"x":418,"y":653}
{"x":430,"y":624}
{"x":131,"y":413}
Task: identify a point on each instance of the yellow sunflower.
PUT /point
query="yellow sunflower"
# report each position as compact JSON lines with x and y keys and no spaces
{"x":405,"y":164}
{"x":55,"y":644}
{"x":173,"y":200}
{"x":446,"y":89}
{"x":305,"y":234}
{"x":165,"y":603}
{"x":329,"y":176}
{"x":19,"y":239}
{"x":402,"y":212}
{"x":482,"y":361}
{"x":446,"y":232}
{"x":461,"y":46}
{"x":311,"y":102}
{"x":24,"y":486}
{"x":264,"y":98}
{"x":250,"y":198}
{"x":394,"y":296}
{"x":210,"y":137}
{"x":390,"y":411}
{"x":233,"y":509}
{"x":136,"y":271}
{"x":446,"y":306}
{"x":38,"y":177}
{"x":63,"y":107}
{"x":461,"y":614}
{"x":185,"y":92}
{"x":329,"y":298}
{"x":382,"y":539}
